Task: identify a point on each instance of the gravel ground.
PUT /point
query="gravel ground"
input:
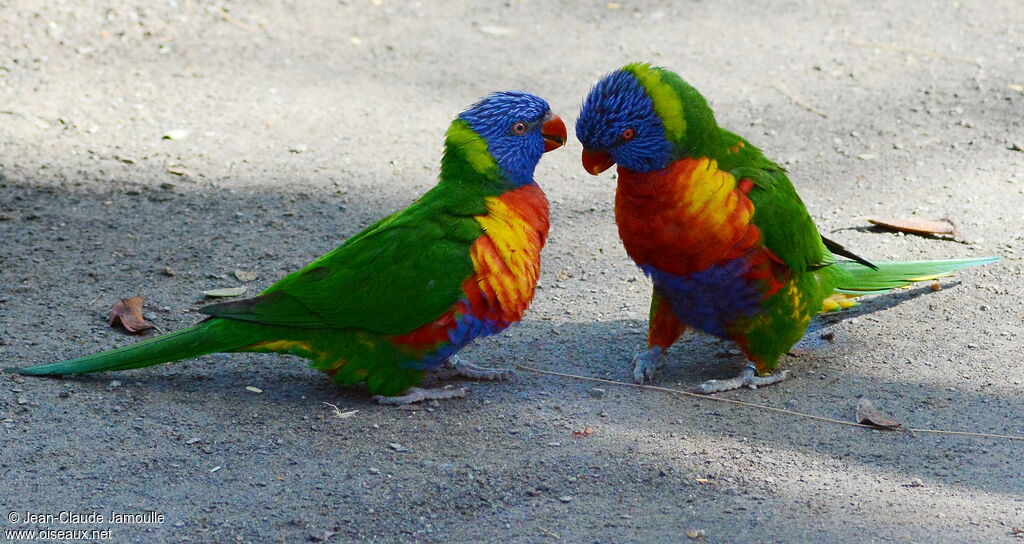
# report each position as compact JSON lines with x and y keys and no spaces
{"x":309,"y":120}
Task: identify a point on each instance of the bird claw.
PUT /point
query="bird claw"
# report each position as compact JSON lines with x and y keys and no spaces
{"x":470,"y":370}
{"x":417,"y":394}
{"x":748,"y":378}
{"x":646,"y":363}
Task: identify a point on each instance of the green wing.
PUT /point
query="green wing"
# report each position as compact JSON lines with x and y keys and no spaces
{"x":787,"y":227}
{"x":398,"y":274}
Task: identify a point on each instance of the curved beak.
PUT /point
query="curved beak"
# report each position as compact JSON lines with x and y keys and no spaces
{"x":553,"y":131}
{"x":596,"y":162}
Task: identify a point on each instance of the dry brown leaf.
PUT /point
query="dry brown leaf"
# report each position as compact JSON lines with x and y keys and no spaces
{"x":128,"y":312}
{"x":917,"y":225}
{"x":179,"y":170}
{"x":867,"y":414}
{"x":576,"y":435}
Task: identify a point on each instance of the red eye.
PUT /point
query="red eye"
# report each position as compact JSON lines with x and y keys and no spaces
{"x":627,"y":134}
{"x":519,"y":128}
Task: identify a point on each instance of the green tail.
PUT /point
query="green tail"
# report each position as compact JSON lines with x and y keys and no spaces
{"x":857,"y":279}
{"x":200,"y":339}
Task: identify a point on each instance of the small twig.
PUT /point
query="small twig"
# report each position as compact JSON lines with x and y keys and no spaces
{"x":549,"y":532}
{"x":761,"y":406}
{"x":231,"y":19}
{"x":782,"y":89}
{"x":339,"y":413}
{"x":915,"y":51}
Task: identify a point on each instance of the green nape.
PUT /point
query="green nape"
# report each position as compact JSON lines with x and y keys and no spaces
{"x":689,"y":122}
{"x":466,"y":157}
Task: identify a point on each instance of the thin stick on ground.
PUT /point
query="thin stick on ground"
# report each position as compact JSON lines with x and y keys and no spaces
{"x":231,"y":19}
{"x":339,"y":413}
{"x":549,"y":532}
{"x":782,"y":89}
{"x":915,"y":51}
{"x":762,"y":406}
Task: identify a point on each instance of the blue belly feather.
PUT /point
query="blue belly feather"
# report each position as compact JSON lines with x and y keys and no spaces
{"x":712,"y":299}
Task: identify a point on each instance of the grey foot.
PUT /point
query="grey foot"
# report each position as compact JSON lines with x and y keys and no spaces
{"x":747,"y":378}
{"x":470,"y":370}
{"x":417,"y":394}
{"x":646,"y":363}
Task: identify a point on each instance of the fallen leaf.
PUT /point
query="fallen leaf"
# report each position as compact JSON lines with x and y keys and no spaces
{"x":128,"y":312}
{"x":582,"y":434}
{"x":225,"y":292}
{"x":245,"y":275}
{"x":613,"y":5}
{"x":696,"y":534}
{"x":867,"y":414}
{"x":252,"y":389}
{"x":179,"y":170}
{"x":175,"y":134}
{"x":917,"y":225}
{"x":1015,"y":87}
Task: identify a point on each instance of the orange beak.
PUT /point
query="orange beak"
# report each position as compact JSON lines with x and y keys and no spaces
{"x":596,"y":162}
{"x":553,"y":131}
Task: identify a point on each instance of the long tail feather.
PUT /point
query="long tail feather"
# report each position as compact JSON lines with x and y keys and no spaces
{"x":857,"y":279}
{"x":200,"y":339}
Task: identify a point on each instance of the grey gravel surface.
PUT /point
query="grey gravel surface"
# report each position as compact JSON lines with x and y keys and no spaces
{"x":306,"y":121}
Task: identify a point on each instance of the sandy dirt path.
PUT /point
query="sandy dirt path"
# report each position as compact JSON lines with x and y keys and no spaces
{"x":309,"y":120}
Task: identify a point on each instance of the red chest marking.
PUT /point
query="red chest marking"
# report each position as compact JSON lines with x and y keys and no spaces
{"x":688,"y":217}
{"x":506,"y":261}
{"x":684,"y":218}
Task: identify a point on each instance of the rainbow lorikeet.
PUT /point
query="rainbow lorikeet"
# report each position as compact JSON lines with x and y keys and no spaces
{"x":718,"y":227}
{"x":408,"y":292}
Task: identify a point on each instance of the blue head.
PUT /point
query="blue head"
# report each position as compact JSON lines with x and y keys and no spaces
{"x":517,"y":128}
{"x":619,"y":125}
{"x":642,"y":117}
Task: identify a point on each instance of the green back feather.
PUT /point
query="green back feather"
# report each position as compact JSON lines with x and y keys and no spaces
{"x":423,"y":250}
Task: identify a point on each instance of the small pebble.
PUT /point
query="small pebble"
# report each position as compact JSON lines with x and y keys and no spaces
{"x":114,"y":384}
{"x":565,"y":498}
{"x":596,"y":393}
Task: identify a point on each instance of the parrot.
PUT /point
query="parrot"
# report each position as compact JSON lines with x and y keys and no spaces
{"x":718,"y":227}
{"x":404,"y":295}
